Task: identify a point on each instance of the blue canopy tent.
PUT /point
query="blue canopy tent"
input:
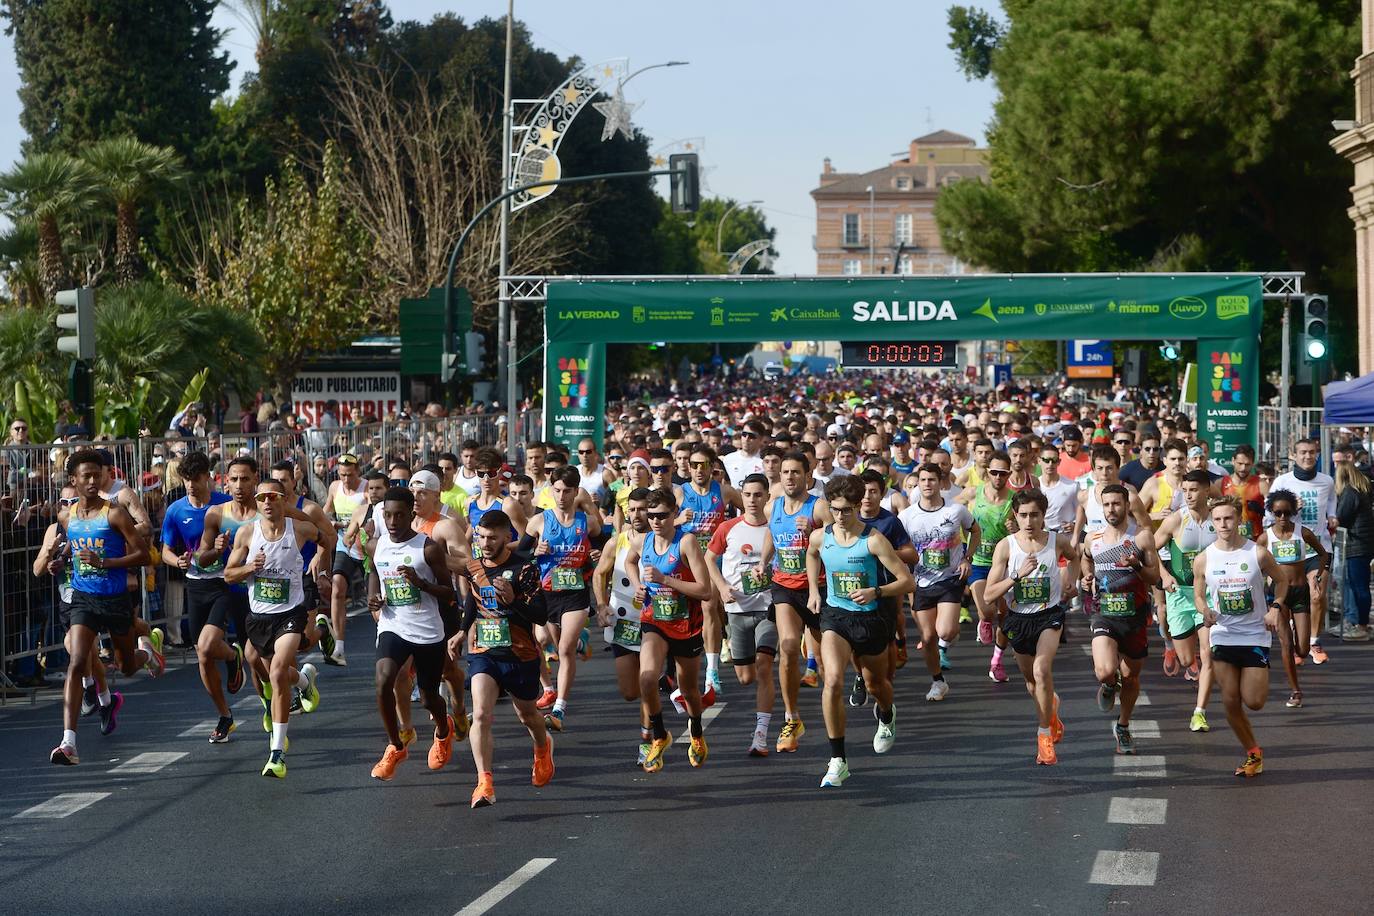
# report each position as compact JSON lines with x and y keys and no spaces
{"x":1349,"y":403}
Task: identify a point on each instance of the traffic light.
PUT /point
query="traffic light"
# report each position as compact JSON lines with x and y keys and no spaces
{"x":1314,"y":345}
{"x":80,"y":318}
{"x":474,"y":351}
{"x":685,"y":182}
{"x":1172,"y":350}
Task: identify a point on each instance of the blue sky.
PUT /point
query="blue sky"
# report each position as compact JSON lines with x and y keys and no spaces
{"x":774,"y":87}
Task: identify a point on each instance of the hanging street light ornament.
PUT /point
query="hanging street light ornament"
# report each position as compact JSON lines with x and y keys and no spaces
{"x":617,"y":113}
{"x":746,"y":253}
{"x":536,"y":152}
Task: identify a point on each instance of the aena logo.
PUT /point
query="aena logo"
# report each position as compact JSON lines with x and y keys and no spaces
{"x":911,"y":310}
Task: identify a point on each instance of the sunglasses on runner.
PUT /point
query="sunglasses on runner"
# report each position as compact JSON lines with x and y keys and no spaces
{"x":660,"y":468}
{"x":1282,"y":513}
{"x":267,"y":497}
{"x":398,"y":482}
{"x":486,"y":472}
{"x":1149,"y":448}
{"x":992,"y":473}
{"x":701,"y":464}
{"x":1126,"y":442}
{"x":615,"y":457}
{"x":348,"y":460}
{"x":659,"y":516}
{"x":586,"y":451}
{"x":68,"y":500}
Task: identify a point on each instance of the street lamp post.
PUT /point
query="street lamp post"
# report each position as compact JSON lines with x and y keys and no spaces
{"x":732,"y":209}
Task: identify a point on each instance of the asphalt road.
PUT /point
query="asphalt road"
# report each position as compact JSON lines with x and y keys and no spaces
{"x":956,"y":819}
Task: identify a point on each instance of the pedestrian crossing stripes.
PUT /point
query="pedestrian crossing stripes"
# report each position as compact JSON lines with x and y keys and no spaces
{"x":63,"y":805}
{"x":150,"y":762}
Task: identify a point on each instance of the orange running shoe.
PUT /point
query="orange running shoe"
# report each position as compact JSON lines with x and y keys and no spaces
{"x":485,"y":793}
{"x":1253,"y":765}
{"x":1317,"y":654}
{"x":1044,"y":750}
{"x":548,"y":699}
{"x":542,"y":771}
{"x":792,"y":729}
{"x":386,"y":767}
{"x":442,"y":748}
{"x":1056,"y":724}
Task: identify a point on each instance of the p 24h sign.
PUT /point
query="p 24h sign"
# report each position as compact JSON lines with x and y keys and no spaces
{"x":1090,"y":359}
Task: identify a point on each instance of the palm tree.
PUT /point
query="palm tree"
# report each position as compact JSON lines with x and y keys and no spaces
{"x":128,"y":170}
{"x":47,"y":189}
{"x":19,"y":265}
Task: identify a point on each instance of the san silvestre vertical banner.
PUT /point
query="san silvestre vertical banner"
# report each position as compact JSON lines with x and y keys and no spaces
{"x":574,"y":392}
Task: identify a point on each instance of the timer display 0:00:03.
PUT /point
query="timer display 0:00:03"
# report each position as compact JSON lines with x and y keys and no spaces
{"x":928,"y":354}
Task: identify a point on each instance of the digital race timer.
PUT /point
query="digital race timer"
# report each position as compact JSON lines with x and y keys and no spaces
{"x":928,"y":354}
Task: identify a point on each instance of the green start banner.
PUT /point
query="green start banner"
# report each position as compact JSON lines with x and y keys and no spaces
{"x":1220,"y":311}
{"x":574,"y":392}
{"x":982,"y":307}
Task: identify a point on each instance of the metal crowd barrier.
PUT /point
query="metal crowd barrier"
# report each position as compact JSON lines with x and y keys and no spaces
{"x":32,"y":477}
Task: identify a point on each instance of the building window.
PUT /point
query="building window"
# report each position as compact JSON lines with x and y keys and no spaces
{"x":852,"y":267}
{"x":851,"y":228}
{"x":903,"y":183}
{"x":901,"y":229}
{"x":904,"y":265}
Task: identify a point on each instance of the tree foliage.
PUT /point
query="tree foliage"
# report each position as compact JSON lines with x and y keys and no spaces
{"x":299,"y":268}
{"x":93,"y":68}
{"x":1163,"y":131}
{"x":973,"y":37}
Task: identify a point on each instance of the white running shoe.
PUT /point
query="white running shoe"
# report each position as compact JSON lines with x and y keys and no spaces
{"x":937,"y":692}
{"x":886,"y":735}
{"x":835,"y":774}
{"x":759,"y":746}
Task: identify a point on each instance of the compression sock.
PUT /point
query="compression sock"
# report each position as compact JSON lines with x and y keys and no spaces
{"x":885,"y":715}
{"x":656,"y":723}
{"x":104,"y":697}
{"x":694,"y":726}
{"x":763,"y":719}
{"x":279,"y":736}
{"x":712,"y":662}
{"x":810,"y":663}
{"x":996,"y":654}
{"x":837,"y":747}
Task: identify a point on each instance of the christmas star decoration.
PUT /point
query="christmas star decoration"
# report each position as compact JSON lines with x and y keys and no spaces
{"x":617,"y":114}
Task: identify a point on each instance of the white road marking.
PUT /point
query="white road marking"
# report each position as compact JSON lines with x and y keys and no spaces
{"x":706,"y":718}
{"x":1131,"y":765}
{"x":1086,"y":650}
{"x":1125,"y":868}
{"x":250,"y":700}
{"x":200,"y":729}
{"x":1143,"y":699}
{"x":150,"y":762}
{"x":505,"y":888}
{"x":64,"y":805}
{"x":1145,"y":728}
{"x":1137,"y":810}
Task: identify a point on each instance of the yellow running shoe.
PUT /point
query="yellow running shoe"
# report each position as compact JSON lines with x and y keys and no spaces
{"x":696,"y":751}
{"x":407,"y":736}
{"x":653,"y":761}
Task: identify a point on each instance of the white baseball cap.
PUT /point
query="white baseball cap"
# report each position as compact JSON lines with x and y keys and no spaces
{"x":425,"y":480}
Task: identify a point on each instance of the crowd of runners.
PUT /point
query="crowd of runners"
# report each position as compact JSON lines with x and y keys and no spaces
{"x":840,"y":536}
